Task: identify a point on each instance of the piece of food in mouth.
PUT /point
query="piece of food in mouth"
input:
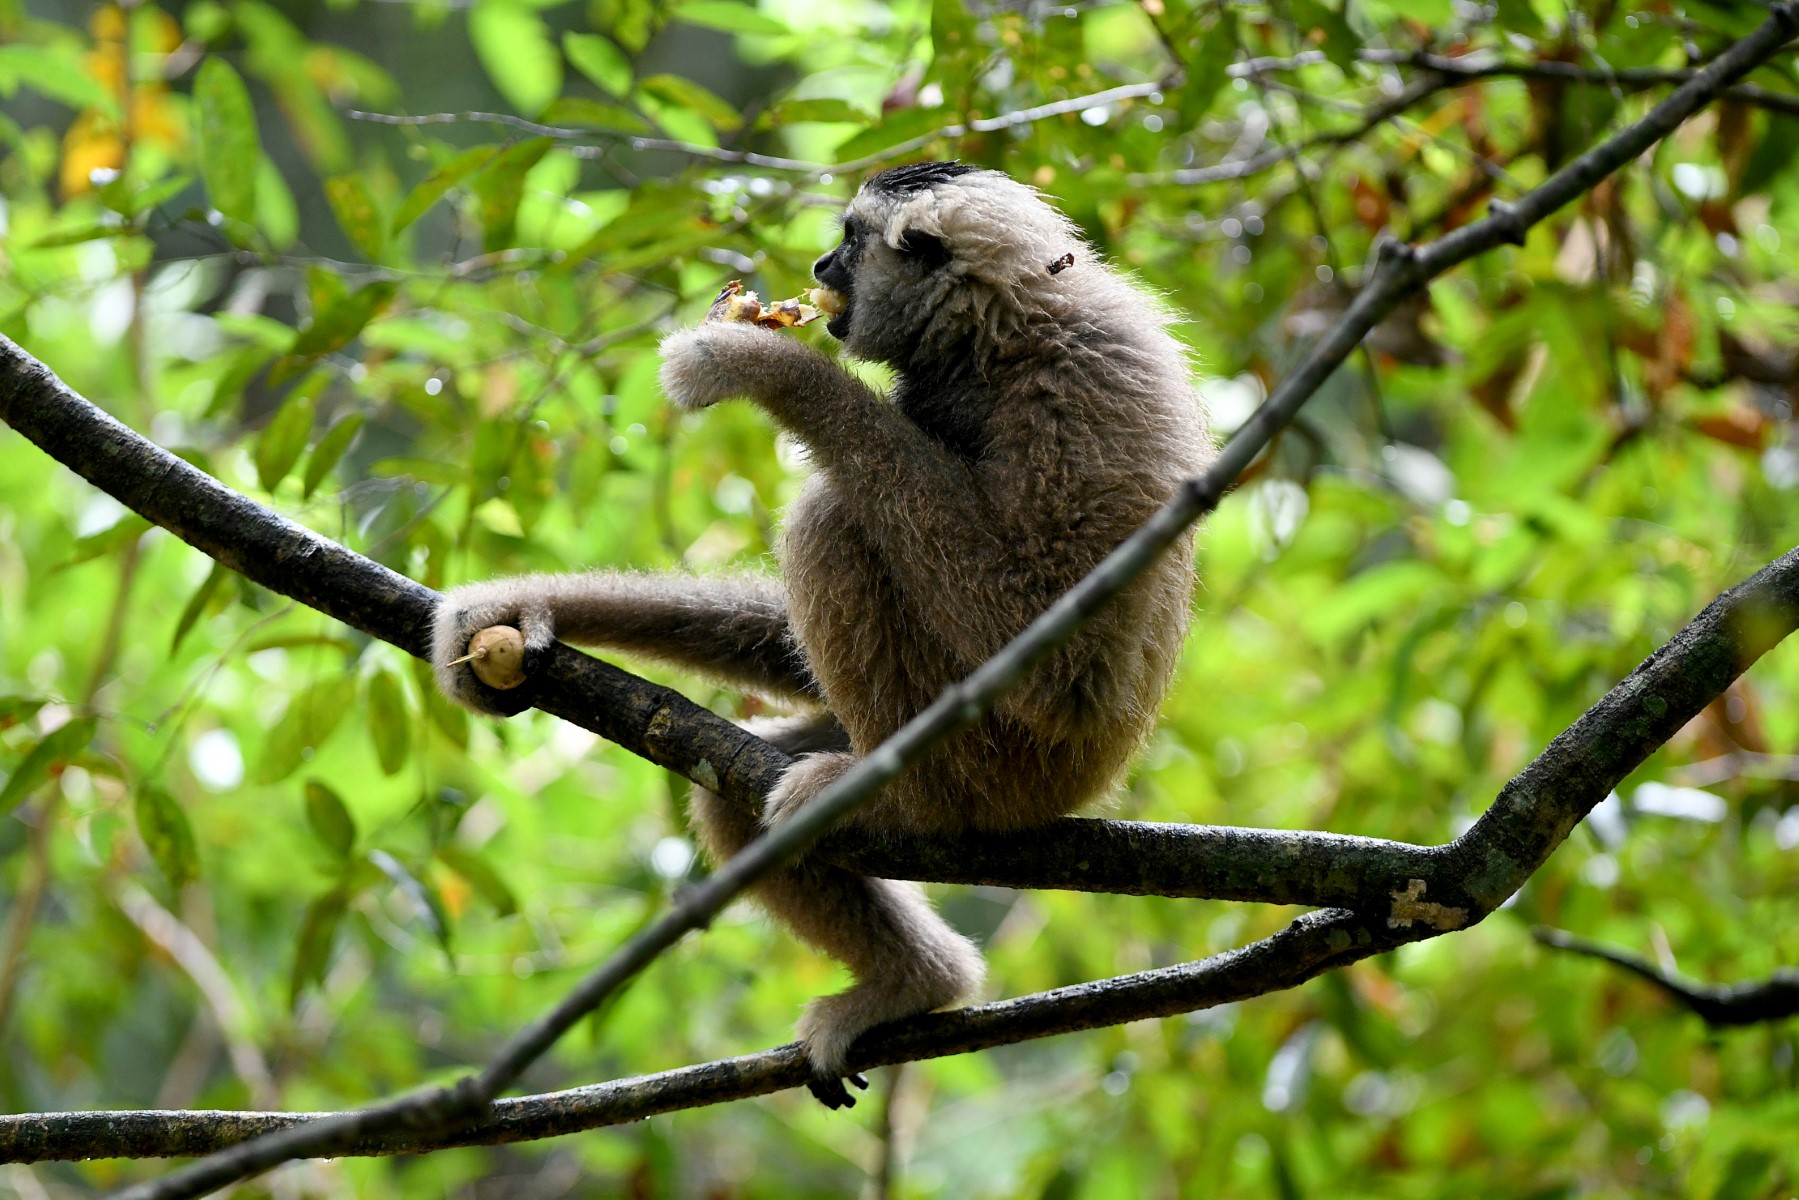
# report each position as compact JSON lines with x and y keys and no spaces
{"x":736,"y":304}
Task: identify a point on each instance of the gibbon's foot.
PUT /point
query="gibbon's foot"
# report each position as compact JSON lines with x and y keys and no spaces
{"x":806,"y":778}
{"x":830,"y":1092}
{"x":464,"y":612}
{"x":717,"y":361}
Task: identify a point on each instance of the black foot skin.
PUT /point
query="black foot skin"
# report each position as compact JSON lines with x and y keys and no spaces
{"x":831,"y":1093}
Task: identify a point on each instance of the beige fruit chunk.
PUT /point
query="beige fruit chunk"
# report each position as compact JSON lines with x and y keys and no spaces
{"x":497,"y":657}
{"x":736,"y":304}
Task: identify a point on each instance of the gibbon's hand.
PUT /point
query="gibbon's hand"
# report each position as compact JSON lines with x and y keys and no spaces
{"x":723,"y":359}
{"x":464,"y":612}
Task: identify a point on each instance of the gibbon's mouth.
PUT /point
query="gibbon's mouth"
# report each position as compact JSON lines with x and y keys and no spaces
{"x":839,"y":325}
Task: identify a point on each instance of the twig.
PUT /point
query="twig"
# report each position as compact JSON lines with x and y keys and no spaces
{"x":1718,"y":1005}
{"x":196,"y":960}
{"x":772,"y":162}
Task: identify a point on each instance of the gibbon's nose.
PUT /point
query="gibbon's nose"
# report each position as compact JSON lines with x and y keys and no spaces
{"x":818,"y":268}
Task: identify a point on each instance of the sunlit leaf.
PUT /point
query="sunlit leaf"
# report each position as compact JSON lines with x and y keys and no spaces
{"x":685,"y":93}
{"x":601,"y":61}
{"x":196,"y":604}
{"x":284,"y":438}
{"x":579,"y":110}
{"x":337,"y":325}
{"x":230,"y":149}
{"x":331,"y":447}
{"x":433,"y":187}
{"x":121,"y":533}
{"x":46,"y":760}
{"x":732,"y":18}
{"x":516,"y":50}
{"x":54,"y":73}
{"x":357,"y":214}
{"x":500,"y":188}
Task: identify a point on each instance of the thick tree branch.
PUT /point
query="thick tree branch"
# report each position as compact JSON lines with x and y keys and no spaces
{"x":1718,"y":1005}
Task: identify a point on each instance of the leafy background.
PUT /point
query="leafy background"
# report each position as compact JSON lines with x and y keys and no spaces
{"x":250,"y":859}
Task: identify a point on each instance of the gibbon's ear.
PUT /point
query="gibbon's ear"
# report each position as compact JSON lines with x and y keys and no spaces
{"x":926,"y":249}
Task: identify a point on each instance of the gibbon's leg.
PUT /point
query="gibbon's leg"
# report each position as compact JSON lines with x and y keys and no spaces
{"x":906,"y":959}
{"x":732,"y":628}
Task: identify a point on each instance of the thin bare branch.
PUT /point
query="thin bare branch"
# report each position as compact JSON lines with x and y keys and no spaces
{"x":1718,"y":1005}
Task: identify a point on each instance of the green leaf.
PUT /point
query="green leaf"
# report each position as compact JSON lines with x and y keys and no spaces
{"x":288,"y":641}
{"x":578,"y":110}
{"x":330,"y":819}
{"x":954,"y":46}
{"x":92,"y":231}
{"x":167,"y":835}
{"x":330,"y":449}
{"x":15,"y":710}
{"x":196,"y":604}
{"x":357,"y":214}
{"x":312,"y":953}
{"x":1214,"y":51}
{"x":481,"y":876}
{"x":514,"y":47}
{"x":54,"y":73}
{"x":500,"y":188}
{"x":795,"y":112}
{"x":117,"y":536}
{"x":128,"y":200}
{"x":451,"y":720}
{"x":901,"y":128}
{"x":433,"y":187}
{"x":601,"y":61}
{"x":46,"y":759}
{"x":685,"y":93}
{"x":230,"y":149}
{"x":732,"y":18}
{"x":336,"y":326}
{"x":312,"y":716}
{"x":390,"y":721}
{"x":284,"y":438}
{"x":1326,"y":28}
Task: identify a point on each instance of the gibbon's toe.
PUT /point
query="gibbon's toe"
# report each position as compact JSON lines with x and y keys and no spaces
{"x":830,"y":1092}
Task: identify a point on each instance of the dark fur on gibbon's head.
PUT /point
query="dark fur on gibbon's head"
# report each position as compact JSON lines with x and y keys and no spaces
{"x":1038,"y":417}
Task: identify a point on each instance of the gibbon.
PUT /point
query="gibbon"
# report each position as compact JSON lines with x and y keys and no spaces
{"x":1041,"y":412}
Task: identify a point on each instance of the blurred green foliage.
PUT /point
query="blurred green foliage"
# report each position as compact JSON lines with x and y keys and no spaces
{"x":436,"y":342}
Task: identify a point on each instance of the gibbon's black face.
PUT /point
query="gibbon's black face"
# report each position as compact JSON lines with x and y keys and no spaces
{"x":901,"y":284}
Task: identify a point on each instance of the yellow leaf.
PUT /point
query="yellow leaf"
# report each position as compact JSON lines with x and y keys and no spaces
{"x":91,"y":144}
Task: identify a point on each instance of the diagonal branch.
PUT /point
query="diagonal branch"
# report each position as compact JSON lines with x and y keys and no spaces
{"x":1718,"y":1005}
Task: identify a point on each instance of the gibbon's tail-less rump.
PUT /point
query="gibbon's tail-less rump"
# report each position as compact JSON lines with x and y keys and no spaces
{"x":1041,"y":412}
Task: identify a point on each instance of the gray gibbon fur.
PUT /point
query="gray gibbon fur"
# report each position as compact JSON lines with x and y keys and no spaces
{"x":1041,"y":413}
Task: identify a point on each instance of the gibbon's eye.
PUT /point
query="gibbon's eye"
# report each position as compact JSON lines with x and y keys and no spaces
{"x":925,"y":249}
